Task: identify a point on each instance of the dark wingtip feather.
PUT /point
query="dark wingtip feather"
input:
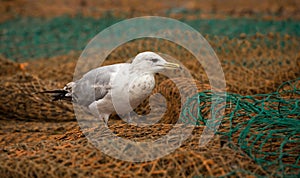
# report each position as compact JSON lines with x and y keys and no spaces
{"x":58,"y":95}
{"x":54,"y":91}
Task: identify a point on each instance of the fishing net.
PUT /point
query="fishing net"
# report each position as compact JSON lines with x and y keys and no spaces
{"x":193,"y":9}
{"x":20,"y":99}
{"x":265,"y":126}
{"x":71,"y":154}
{"x":27,"y":38}
{"x":259,"y":132}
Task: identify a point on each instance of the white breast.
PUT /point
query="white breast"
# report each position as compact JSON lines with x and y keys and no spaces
{"x":141,"y":88}
{"x":124,"y":90}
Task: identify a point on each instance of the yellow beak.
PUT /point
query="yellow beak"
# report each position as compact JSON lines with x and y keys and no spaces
{"x":170,"y":65}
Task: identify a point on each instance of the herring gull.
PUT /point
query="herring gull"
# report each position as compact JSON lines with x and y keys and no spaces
{"x":101,"y":89}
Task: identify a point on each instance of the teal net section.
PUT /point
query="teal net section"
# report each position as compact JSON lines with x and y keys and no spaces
{"x":29,"y":38}
{"x":265,"y":126}
{"x":256,"y":55}
{"x":26,"y":38}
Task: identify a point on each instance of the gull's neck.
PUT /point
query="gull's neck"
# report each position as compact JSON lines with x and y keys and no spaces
{"x":138,"y":69}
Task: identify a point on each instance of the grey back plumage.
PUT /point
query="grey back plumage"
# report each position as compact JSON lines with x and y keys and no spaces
{"x":94,"y":85}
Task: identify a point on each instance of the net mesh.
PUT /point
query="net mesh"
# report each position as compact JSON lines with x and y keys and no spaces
{"x":258,"y":135}
{"x":71,"y":154}
{"x":260,"y":130}
{"x":265,"y":126}
{"x":27,"y":38}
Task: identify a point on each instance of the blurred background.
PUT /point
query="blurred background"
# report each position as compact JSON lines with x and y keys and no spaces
{"x":257,"y":42}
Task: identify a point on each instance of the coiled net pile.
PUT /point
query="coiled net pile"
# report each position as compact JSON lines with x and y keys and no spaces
{"x":258,"y":135}
{"x":265,"y":126}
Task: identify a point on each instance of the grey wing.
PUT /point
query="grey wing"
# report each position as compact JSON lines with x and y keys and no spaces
{"x":94,"y":85}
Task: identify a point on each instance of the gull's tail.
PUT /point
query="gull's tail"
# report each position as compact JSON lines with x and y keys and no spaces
{"x":62,"y":94}
{"x":59,"y":94}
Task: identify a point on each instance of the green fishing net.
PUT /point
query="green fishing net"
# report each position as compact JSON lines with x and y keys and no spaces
{"x":265,"y":126}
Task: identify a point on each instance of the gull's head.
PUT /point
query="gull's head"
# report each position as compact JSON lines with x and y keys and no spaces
{"x":152,"y":62}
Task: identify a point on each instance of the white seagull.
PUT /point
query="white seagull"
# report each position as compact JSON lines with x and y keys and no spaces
{"x":119,"y":87}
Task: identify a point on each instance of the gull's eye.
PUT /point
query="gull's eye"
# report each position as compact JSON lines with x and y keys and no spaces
{"x":154,"y":60}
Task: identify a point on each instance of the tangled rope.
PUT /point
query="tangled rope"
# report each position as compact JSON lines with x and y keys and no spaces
{"x":265,"y":126}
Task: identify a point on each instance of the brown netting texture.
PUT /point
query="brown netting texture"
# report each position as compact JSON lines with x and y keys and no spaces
{"x":42,"y":138}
